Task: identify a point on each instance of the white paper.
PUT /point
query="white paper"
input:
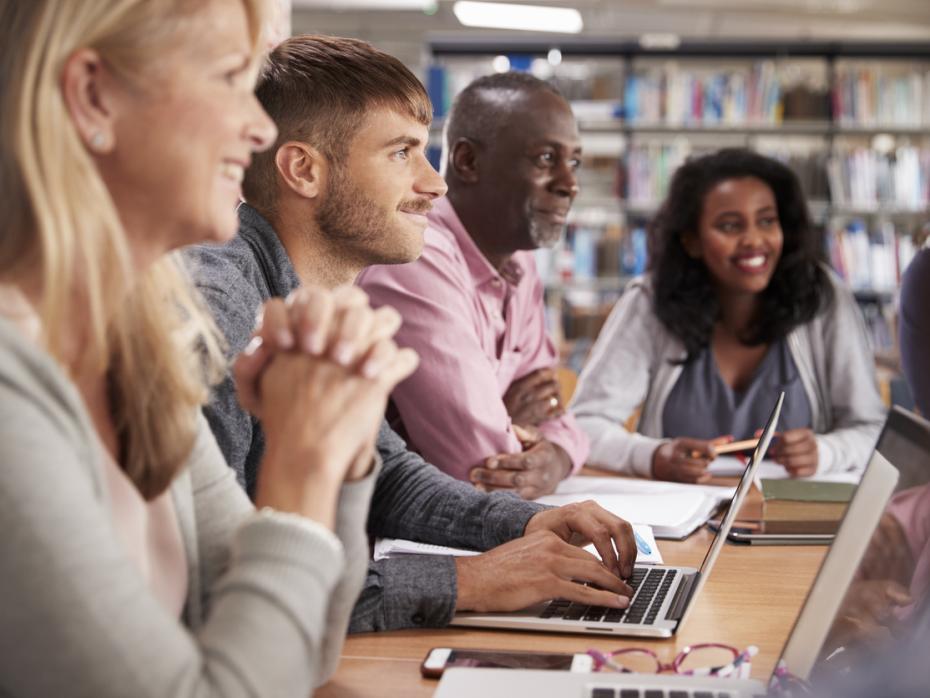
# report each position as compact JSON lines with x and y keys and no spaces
{"x":393,"y":547}
{"x":593,"y":486}
{"x":389,"y":547}
{"x":664,"y":509}
{"x":674,"y":510}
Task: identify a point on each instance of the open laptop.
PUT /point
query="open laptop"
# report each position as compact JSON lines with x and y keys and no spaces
{"x":663,"y":594}
{"x":904,"y":441}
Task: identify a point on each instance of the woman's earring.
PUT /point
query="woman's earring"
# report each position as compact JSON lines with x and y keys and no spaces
{"x":98,"y":141}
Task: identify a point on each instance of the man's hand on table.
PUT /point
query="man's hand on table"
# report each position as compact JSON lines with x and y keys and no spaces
{"x":532,"y":473}
{"x":547,"y":563}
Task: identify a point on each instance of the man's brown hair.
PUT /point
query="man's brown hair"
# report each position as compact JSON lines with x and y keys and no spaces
{"x":317,"y":89}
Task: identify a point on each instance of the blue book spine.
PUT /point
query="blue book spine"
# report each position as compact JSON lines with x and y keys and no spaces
{"x":436,"y":89}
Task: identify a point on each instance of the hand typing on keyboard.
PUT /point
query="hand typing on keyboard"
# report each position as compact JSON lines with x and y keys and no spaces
{"x":650,"y":587}
{"x":532,"y":569}
{"x":583,"y":522}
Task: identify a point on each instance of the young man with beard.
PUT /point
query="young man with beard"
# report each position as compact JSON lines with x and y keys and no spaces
{"x":347,"y":185}
{"x":484,"y":403}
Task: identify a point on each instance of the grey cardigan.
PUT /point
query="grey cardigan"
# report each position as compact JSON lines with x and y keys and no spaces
{"x":631,"y":365}
{"x":268,"y":600}
{"x":412,"y":498}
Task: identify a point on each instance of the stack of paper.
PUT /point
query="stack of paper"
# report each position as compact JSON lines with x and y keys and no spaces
{"x":393,"y":547}
{"x":672,"y":510}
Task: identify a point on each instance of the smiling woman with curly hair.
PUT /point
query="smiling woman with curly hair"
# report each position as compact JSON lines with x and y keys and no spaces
{"x":735,"y":308}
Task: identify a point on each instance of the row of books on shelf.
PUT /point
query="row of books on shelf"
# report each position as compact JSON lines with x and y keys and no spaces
{"x":648,"y":169}
{"x":849,"y":177}
{"x":872,"y":95}
{"x":899,"y":179}
{"x":590,"y":254}
{"x":592,"y":265}
{"x":761,"y":94}
{"x":676,"y":96}
{"x":867,"y":258}
{"x":757,"y":93}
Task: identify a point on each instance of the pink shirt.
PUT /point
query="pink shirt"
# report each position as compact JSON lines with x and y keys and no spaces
{"x":476,"y":331}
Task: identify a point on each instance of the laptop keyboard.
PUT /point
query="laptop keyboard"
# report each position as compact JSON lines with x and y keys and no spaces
{"x":650,"y":587}
{"x":654,"y":693}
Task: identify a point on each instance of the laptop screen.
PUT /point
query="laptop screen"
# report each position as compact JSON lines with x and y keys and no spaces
{"x":873,"y":583}
{"x":742,"y":488}
{"x":735,"y":502}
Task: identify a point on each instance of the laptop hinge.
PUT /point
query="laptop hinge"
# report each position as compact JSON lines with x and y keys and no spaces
{"x":682,"y":597}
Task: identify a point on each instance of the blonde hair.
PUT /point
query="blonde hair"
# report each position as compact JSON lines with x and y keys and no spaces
{"x":150,"y":336}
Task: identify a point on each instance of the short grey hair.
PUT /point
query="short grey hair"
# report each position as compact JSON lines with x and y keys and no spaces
{"x":478,"y":116}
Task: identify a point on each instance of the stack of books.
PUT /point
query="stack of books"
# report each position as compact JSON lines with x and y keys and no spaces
{"x":814,"y":505}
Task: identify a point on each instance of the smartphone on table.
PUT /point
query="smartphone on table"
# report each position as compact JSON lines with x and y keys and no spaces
{"x":440,"y":658}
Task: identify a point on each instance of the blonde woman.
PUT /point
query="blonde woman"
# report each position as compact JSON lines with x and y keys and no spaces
{"x":131,"y":563}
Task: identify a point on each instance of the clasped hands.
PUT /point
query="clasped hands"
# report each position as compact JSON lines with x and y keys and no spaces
{"x":317,"y":373}
{"x":542,"y":464}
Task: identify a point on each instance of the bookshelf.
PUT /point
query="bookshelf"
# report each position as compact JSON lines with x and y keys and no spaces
{"x":851,"y":118}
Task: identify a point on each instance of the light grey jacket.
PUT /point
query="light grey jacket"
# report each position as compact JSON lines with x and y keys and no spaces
{"x":268,"y":599}
{"x":631,"y":364}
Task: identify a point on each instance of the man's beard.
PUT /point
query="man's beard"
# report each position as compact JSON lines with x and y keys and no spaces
{"x":541,"y":233}
{"x":347,"y":215}
{"x":355,"y":221}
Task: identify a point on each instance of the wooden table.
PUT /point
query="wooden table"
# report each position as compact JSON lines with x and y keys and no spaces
{"x":752,"y":598}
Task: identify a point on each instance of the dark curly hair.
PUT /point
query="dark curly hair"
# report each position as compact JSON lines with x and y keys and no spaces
{"x":685,"y":300}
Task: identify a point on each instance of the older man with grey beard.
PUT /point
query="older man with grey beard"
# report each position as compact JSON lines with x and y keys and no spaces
{"x":484,"y":405}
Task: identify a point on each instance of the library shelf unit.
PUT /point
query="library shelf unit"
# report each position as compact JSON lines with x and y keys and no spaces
{"x":852,"y":118}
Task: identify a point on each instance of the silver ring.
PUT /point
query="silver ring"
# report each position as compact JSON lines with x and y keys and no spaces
{"x":553,"y":401}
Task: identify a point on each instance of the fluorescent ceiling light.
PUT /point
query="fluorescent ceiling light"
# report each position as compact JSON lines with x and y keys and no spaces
{"x":422,"y":5}
{"x":499,"y":15}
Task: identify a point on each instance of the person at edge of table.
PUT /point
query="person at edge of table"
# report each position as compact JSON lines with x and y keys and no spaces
{"x":132,"y":563}
{"x":885,"y":609}
{"x":735,"y":308}
{"x":484,"y":405}
{"x":347,"y":185}
{"x":884,"y":621}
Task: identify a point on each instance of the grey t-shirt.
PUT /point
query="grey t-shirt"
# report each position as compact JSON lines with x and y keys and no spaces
{"x":703,"y":406}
